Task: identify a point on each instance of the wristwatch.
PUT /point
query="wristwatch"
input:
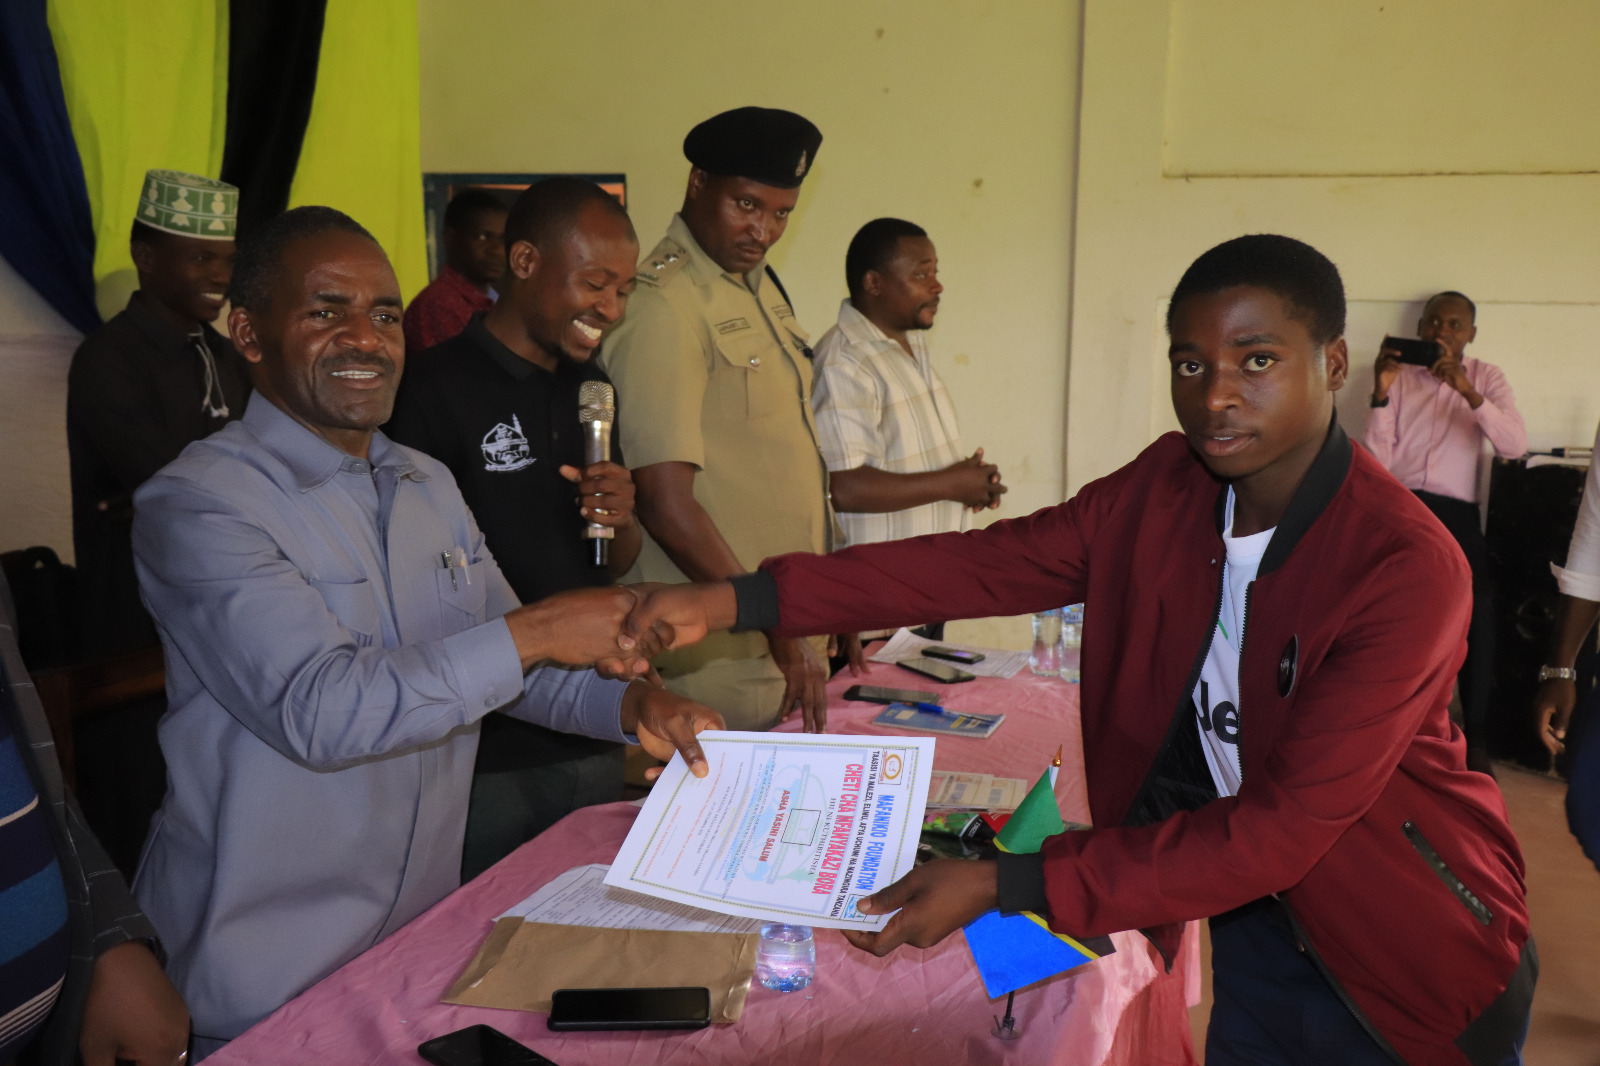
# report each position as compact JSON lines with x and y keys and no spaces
{"x":1565,"y":673}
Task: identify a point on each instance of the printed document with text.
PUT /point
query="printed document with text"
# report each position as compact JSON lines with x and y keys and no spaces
{"x":788,"y":827}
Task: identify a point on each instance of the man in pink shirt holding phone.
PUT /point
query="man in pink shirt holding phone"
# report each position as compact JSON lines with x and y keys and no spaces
{"x":1427,"y":427}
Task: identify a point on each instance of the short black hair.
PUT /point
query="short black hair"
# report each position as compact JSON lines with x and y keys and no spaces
{"x":468,"y":202}
{"x":873,"y":247}
{"x":547,"y":209}
{"x":1451,"y":293}
{"x":1304,"y":278}
{"x":255,"y":270}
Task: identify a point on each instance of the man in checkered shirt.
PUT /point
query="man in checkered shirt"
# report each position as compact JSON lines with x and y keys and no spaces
{"x":887,"y":427}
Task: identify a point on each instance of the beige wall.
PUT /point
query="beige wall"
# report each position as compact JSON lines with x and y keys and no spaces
{"x":962,"y":115}
{"x":36,"y":347}
{"x":1268,"y":87}
{"x":956,"y":114}
{"x":1187,"y":85}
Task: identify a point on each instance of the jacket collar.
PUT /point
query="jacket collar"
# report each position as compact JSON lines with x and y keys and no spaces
{"x":1321,"y":483}
{"x":312,"y":460}
{"x":159,"y":330}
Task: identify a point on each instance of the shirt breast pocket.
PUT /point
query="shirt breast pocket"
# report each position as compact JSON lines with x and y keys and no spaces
{"x":463,"y":593}
{"x":352,"y":603}
{"x":751,"y":375}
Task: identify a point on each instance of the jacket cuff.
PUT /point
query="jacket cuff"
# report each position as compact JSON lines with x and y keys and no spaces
{"x":1021,"y":883}
{"x":757,"y":596}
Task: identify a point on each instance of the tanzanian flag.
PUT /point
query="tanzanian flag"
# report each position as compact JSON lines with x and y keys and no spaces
{"x":1019,"y":949}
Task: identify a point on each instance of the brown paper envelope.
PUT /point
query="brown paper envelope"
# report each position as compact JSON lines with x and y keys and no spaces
{"x":522,"y":963}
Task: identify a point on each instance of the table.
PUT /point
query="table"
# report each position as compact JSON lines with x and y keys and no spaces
{"x":922,"y":1007}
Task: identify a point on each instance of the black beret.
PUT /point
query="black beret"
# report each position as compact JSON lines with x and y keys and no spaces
{"x":763,"y":144}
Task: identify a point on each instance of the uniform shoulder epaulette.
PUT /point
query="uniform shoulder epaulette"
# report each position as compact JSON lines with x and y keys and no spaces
{"x":665,"y":260}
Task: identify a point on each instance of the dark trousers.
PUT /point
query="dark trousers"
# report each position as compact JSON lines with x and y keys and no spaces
{"x":1476,"y":677}
{"x":528,"y":779}
{"x":1270,"y":1003}
{"x":1271,"y":1006}
{"x":122,"y":776}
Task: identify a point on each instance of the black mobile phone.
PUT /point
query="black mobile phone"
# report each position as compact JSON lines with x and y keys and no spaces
{"x":955,"y":655}
{"x":874,"y":694}
{"x":936,"y":670}
{"x":629,"y":1008}
{"x":1415,"y":352}
{"x":480,"y":1045}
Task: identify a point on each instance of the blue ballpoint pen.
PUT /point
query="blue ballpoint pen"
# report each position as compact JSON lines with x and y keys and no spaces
{"x":934,"y":708}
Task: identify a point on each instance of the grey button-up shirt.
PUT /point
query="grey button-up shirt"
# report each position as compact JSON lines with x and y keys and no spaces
{"x":325,"y":677}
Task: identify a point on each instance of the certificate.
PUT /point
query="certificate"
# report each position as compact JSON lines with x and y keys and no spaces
{"x":787,"y":827}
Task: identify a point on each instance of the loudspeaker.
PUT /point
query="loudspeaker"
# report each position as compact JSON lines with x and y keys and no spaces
{"x":1531,"y":515}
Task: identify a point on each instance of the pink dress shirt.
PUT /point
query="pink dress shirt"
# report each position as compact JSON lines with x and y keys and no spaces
{"x":1430,"y":439}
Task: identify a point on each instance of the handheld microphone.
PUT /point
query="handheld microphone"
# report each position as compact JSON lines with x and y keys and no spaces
{"x":597,"y":410}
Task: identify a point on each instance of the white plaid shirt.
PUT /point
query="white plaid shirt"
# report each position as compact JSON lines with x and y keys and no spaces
{"x":876,"y":406}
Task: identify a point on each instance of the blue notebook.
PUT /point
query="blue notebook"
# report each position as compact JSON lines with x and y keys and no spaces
{"x":1014,"y":950}
{"x":950,"y":724}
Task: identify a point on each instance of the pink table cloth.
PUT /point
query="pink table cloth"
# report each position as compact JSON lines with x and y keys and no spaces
{"x":917,"y":1007}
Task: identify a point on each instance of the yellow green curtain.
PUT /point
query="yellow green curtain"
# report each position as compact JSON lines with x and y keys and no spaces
{"x":362,"y":151}
{"x":146,"y":83}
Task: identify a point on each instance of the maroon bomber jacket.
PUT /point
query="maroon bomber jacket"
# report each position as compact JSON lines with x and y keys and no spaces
{"x":1397,"y":864}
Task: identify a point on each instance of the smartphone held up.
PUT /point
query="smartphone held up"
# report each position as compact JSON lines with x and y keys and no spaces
{"x":1414,"y":352}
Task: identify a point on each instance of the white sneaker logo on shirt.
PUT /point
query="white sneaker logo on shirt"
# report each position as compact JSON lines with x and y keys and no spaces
{"x":505,"y":448}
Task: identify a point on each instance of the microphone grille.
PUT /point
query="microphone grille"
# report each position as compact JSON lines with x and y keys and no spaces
{"x":597,"y":402}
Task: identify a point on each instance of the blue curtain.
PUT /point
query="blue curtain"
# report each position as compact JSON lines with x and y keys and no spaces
{"x":46,"y":232}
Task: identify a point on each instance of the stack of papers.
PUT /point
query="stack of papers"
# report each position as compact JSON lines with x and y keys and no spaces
{"x":581,"y":897}
{"x":996,"y":662}
{"x":974,"y":792}
{"x":577,"y":933}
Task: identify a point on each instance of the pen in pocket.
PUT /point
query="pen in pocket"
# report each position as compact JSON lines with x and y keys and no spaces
{"x":450,"y":560}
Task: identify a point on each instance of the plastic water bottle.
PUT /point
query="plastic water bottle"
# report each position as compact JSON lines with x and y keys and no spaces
{"x":786,"y":958}
{"x":1045,"y":660}
{"x":1071,"y":641}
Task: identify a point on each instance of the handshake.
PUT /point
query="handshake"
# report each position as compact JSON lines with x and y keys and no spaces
{"x":619,"y":629}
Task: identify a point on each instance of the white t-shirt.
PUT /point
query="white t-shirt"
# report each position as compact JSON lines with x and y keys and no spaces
{"x":1216,"y":694}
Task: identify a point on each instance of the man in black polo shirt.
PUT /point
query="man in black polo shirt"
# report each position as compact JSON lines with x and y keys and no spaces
{"x":498,"y":405}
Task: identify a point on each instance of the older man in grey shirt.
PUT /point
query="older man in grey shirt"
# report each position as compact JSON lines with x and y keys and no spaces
{"x":334,"y":629}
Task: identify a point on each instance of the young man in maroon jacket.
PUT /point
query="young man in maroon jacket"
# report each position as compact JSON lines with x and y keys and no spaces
{"x":1276,"y":626}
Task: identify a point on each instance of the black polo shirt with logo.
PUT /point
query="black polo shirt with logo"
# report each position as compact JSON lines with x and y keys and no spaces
{"x":505,"y":427}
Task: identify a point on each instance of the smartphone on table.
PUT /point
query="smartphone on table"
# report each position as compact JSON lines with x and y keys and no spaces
{"x":874,"y":694}
{"x":579,"y":1009}
{"x":936,"y":670}
{"x":954,"y":655}
{"x":480,"y":1045}
{"x":1414,"y":352}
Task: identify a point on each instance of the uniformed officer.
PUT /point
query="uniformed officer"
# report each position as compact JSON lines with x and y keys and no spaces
{"x":713,"y":372}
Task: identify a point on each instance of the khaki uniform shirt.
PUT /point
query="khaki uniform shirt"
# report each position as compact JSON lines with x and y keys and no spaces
{"x":710,"y":369}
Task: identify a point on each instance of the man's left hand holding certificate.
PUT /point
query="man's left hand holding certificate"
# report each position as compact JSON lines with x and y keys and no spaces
{"x":787,"y":827}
